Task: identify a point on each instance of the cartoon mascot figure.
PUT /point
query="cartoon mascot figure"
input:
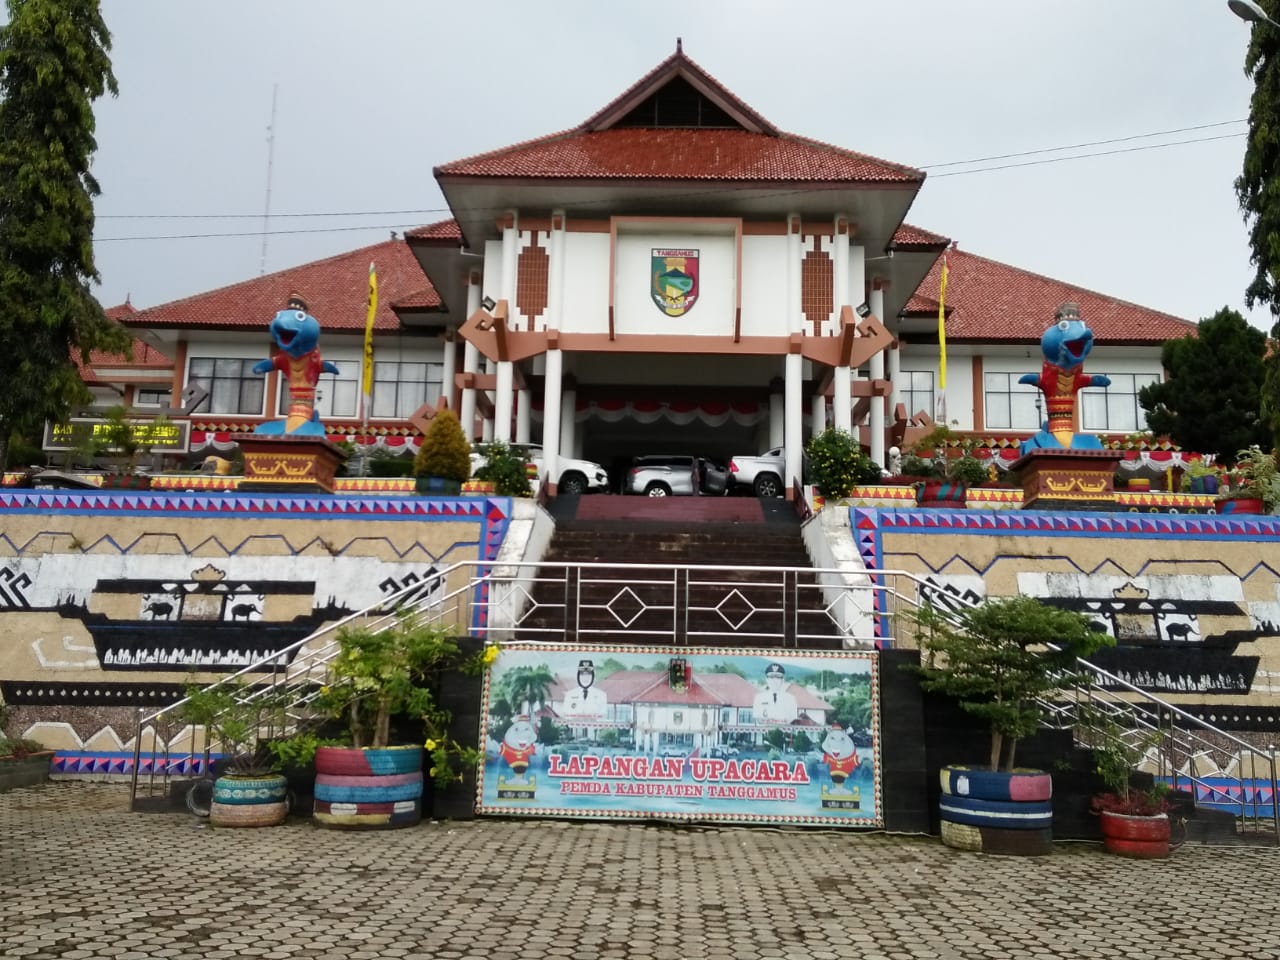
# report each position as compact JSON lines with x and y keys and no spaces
{"x":840,"y":756}
{"x":519,"y":743}
{"x":297,"y":334}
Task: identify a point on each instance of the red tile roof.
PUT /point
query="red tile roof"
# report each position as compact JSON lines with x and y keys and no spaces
{"x":680,"y":154}
{"x":755,"y":151}
{"x":440,"y":230}
{"x":734,"y":690}
{"x":653,"y":686}
{"x":908,"y":236}
{"x":140,"y":355}
{"x":336,"y":290}
{"x":989,"y":301}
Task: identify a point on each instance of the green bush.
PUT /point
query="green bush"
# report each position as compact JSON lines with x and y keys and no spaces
{"x":390,"y":467}
{"x":506,"y":469}
{"x":837,"y":463}
{"x":445,"y":451}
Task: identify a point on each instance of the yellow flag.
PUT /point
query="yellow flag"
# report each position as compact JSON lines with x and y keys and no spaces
{"x":368,"y":337}
{"x":942,"y":329}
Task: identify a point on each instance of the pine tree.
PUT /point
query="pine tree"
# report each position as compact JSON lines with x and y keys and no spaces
{"x":53,"y":65}
{"x":1211,"y":401}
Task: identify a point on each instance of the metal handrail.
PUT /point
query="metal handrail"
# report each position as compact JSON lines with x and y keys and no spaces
{"x":860,"y":607}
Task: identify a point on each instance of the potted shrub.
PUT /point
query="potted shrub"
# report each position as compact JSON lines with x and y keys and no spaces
{"x":837,"y":464}
{"x":1200,"y":477}
{"x":1254,"y":484}
{"x":946,"y":479}
{"x":1135,"y":821}
{"x":444,"y":459}
{"x":376,"y":676}
{"x":1000,"y":660}
{"x":249,"y":791}
{"x":505,"y":471}
{"x":23,"y":762}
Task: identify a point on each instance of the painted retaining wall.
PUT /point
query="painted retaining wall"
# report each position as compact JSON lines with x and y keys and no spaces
{"x":109,"y":602}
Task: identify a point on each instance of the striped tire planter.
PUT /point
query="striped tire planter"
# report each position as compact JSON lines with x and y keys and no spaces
{"x":981,"y":783}
{"x":984,"y":809}
{"x":368,"y":816}
{"x":1016,"y":843}
{"x":1006,"y":814}
{"x":368,"y":761}
{"x":941,"y":493}
{"x":230,"y":790}
{"x":1146,"y":838}
{"x":248,"y":814}
{"x":369,"y":788}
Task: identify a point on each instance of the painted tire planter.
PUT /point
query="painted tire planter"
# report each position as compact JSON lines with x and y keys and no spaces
{"x":941,"y":493}
{"x":368,"y":788}
{"x":996,"y":811}
{"x":248,"y":814}
{"x":260,"y":801}
{"x":1240,"y":505}
{"x":983,"y":784}
{"x":1146,"y":838}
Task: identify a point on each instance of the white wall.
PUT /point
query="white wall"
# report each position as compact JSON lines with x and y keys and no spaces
{"x":764,"y":286}
{"x":586,"y":283}
{"x":714,"y":310}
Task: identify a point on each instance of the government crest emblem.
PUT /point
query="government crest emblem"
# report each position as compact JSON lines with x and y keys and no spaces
{"x":674,"y":287}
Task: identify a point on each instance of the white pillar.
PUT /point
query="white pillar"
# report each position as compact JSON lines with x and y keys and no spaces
{"x":486,"y":428}
{"x":895,"y":380}
{"x":503,"y":401}
{"x":841,"y":400}
{"x":794,"y":366}
{"x":794,"y":418}
{"x":841,"y":404}
{"x":552,"y":385}
{"x":876,"y":302}
{"x":817,"y":413}
{"x":470,"y":362}
{"x":449,"y":368}
{"x":524,"y":401}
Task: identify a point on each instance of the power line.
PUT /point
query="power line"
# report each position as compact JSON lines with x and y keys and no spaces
{"x":783,"y":193}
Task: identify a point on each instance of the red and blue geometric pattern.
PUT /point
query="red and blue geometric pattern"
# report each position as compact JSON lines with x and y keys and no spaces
{"x":111,"y":763}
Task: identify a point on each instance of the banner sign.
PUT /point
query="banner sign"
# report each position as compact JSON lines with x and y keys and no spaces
{"x":748,"y":736}
{"x":166,"y":436}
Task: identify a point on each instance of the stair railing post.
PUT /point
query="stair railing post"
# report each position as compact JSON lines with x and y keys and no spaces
{"x":790,"y":609}
{"x":680,"y":606}
{"x":137,"y":762}
{"x":1275,"y":799}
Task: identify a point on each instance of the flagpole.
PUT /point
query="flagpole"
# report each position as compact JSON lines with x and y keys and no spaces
{"x":366,"y":397}
{"x":942,"y":344}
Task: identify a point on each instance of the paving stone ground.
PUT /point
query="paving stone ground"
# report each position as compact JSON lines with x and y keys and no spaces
{"x":81,"y":877}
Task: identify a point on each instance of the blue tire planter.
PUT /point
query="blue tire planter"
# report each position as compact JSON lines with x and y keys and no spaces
{"x":368,"y":788}
{"x":260,"y":801}
{"x":983,"y":784}
{"x":994,"y":811}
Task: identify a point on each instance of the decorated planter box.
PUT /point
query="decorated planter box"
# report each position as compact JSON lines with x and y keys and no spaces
{"x":25,"y":771}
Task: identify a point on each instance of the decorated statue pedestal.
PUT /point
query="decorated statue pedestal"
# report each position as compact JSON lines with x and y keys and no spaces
{"x":1068,"y":479}
{"x":288,"y":464}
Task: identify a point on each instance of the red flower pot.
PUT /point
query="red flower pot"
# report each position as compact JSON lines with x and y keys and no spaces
{"x":941,"y":493}
{"x":1240,"y":505}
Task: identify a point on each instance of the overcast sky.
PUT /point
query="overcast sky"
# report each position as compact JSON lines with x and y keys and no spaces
{"x":371,"y":95}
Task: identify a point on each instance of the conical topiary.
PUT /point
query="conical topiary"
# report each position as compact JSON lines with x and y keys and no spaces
{"x":445,"y":451}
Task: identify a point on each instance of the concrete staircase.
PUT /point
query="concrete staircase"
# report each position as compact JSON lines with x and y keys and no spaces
{"x":725,"y":591}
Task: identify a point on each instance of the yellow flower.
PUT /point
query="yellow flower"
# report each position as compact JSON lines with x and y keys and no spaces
{"x":430,"y":744}
{"x":490,"y":654}
{"x":433,"y":771}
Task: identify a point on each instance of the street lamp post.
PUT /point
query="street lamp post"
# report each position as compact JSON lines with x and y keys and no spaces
{"x":1249,"y":11}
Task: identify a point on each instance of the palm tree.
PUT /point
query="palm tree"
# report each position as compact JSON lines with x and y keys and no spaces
{"x":529,"y":686}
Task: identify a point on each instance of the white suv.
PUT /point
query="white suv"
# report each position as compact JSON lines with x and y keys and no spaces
{"x":576,"y":476}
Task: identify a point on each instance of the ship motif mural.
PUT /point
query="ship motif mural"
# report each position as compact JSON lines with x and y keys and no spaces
{"x":205,"y":621}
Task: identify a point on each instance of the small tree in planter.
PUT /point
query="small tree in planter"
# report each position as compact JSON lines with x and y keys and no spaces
{"x":506,"y":469}
{"x":837,"y":464}
{"x":947,"y":479}
{"x":252,"y":792}
{"x":377,"y":675}
{"x":1135,"y":821}
{"x":1254,"y":484}
{"x":999,"y":660}
{"x":443,"y":462}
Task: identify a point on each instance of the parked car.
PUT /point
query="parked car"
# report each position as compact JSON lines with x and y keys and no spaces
{"x":763,"y":474}
{"x":679,"y":475}
{"x":576,"y":476}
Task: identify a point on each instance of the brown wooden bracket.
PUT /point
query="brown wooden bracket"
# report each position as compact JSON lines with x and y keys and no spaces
{"x":475,"y":381}
{"x":856,"y":344}
{"x":491,"y":336}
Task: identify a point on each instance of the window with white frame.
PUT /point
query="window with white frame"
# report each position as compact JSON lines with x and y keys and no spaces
{"x":151,"y":397}
{"x":233,"y":386}
{"x":337,"y":394}
{"x":916,"y":390}
{"x":1008,"y":404}
{"x":1115,"y":409}
{"x":401,"y":387}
